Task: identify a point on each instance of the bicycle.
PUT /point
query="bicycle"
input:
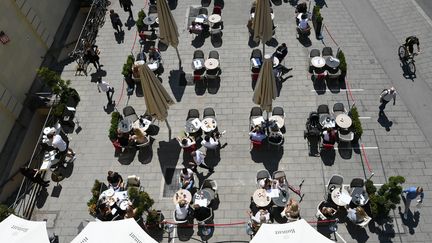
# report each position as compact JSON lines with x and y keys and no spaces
{"x":407,"y":59}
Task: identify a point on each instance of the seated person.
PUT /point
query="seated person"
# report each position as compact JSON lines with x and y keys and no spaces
{"x":329,"y":136}
{"x":291,"y":210}
{"x":103,"y":212}
{"x":182,"y":210}
{"x":261,"y":217}
{"x":249,"y":25}
{"x":201,"y":213}
{"x":123,"y":138}
{"x":303,"y":23}
{"x":210,"y":142}
{"x":130,"y":211}
{"x":265,"y":183}
{"x":281,"y":183}
{"x":139,"y":137}
{"x":154,"y":54}
{"x":275,"y":137}
{"x":329,"y":212}
{"x":187,"y":143}
{"x":257,"y":134}
{"x":195,"y":28}
{"x":301,"y":8}
{"x":115,"y":181}
{"x":356,"y":215}
{"x":186,"y":179}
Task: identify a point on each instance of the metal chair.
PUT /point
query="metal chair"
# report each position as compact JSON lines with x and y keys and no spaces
{"x":262,"y":174}
{"x":130,"y":114}
{"x":357,"y":182}
{"x":338,"y":108}
{"x":214,"y":54}
{"x":178,"y":221}
{"x":255,"y":112}
{"x":314,"y":53}
{"x":198,"y":54}
{"x":323,"y":109}
{"x":334,"y":182}
{"x":208,"y":219}
{"x":278,"y":174}
{"x":193,"y":113}
{"x":278,"y":111}
{"x":217,"y":10}
{"x":203,"y":11}
{"x":209,"y":112}
{"x":327,"y":52}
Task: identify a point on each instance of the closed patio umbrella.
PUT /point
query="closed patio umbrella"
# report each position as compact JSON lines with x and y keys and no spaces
{"x":168,"y":32}
{"x":265,"y":90}
{"x":14,"y":229}
{"x":262,"y":23}
{"x":156,"y":97}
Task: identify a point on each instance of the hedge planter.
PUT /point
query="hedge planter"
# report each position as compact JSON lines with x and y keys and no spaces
{"x":317,"y":21}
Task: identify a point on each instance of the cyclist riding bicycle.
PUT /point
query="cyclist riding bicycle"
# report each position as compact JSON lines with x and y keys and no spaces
{"x":409,"y":44}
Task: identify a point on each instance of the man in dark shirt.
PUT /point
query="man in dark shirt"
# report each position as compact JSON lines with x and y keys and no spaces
{"x":115,"y":180}
{"x":281,"y":52}
{"x":410,"y":42}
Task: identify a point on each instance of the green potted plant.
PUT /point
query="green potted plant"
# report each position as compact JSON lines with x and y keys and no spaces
{"x":96,"y":190}
{"x":5,"y":211}
{"x":112,"y":132}
{"x":385,"y":198}
{"x":342,"y":65}
{"x":317,"y":21}
{"x":356,"y":124}
{"x":141,"y":201}
{"x":140,"y":20}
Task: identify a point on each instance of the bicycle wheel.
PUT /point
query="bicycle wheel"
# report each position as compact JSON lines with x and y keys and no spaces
{"x":412,"y":67}
{"x":402,"y":52}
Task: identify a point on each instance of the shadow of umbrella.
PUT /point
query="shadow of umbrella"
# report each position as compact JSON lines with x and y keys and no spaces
{"x":177,"y":82}
{"x":168,"y":154}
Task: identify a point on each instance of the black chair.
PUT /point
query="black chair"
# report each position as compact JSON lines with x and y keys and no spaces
{"x":314,"y":53}
{"x":203,"y":11}
{"x":216,"y":37}
{"x":152,"y":9}
{"x":323,"y":109}
{"x":262,"y":174}
{"x":256,"y":53}
{"x":193,"y":113}
{"x":209,"y":112}
{"x":278,"y":111}
{"x":153,"y":130}
{"x":357,"y":182}
{"x":214,"y":54}
{"x":130,"y":114}
{"x":338,"y":108}
{"x":335,"y":181}
{"x":198,"y":54}
{"x":327,"y":51}
{"x":255,"y":112}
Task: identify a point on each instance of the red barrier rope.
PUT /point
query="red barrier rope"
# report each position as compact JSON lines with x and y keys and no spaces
{"x":238,"y":223}
{"x":349,"y":90}
{"x":133,"y":45}
{"x":121,"y":94}
{"x":366,"y":159}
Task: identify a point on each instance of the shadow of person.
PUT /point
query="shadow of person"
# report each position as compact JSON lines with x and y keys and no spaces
{"x":384,"y":121}
{"x":357,"y":233}
{"x":411,"y":221}
{"x":130,"y":22}
{"x":119,"y":36}
{"x":109,"y":107}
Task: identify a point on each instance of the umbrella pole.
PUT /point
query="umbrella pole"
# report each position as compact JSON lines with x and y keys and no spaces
{"x":169,"y":129}
{"x":178,"y":55}
{"x":263,"y":47}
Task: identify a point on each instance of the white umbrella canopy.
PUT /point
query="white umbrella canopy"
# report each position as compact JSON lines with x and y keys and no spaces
{"x":124,"y":231}
{"x":17,"y":230}
{"x":295,"y":232}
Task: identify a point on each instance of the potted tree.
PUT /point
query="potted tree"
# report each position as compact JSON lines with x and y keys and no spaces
{"x":112,"y":132}
{"x":317,"y":21}
{"x":5,"y":211}
{"x":140,"y":20}
{"x":141,"y":201}
{"x":342,"y":65}
{"x":356,"y":124}
{"x":127,"y":74}
{"x":96,"y":191}
{"x":385,"y":198}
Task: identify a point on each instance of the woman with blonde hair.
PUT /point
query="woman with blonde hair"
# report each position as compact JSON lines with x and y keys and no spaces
{"x":139,"y":137}
{"x":356,"y":215}
{"x":292,"y":209}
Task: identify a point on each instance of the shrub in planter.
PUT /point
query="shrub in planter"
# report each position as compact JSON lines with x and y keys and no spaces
{"x":385,"y":198}
{"x":141,"y":201}
{"x":127,"y":67}
{"x":317,"y":20}
{"x":342,"y":65}
{"x":115,"y":118}
{"x":356,"y":124}
{"x":140,"y":20}
{"x":5,"y":211}
{"x":92,"y":203}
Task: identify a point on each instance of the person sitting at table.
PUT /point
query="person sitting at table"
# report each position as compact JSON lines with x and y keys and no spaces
{"x":138,"y":136}
{"x":356,"y":215}
{"x":265,"y":183}
{"x":103,"y":212}
{"x":187,"y":143}
{"x":275,"y":135}
{"x":201,"y":213}
{"x":210,"y":142}
{"x":186,"y":178}
{"x":301,"y":8}
{"x":303,"y":23}
{"x":123,"y":138}
{"x":291,"y":210}
{"x":281,"y":183}
{"x":130,"y":211}
{"x":182,"y":210}
{"x":154,"y":54}
{"x":257,"y":134}
{"x":281,"y":52}
{"x":329,"y":137}
{"x":261,"y":217}
{"x":115,"y":180}
{"x":196,"y":28}
{"x":329,"y":212}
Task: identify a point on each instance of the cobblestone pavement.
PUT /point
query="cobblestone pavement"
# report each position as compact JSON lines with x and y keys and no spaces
{"x":401,"y":151}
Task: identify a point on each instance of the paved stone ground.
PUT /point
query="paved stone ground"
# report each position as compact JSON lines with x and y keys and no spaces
{"x":401,"y":151}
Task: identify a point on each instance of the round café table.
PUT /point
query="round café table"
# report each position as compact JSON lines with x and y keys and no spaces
{"x":282,"y":199}
{"x":343,"y":121}
{"x":125,"y":126}
{"x":211,"y":63}
{"x":340,"y":197}
{"x":149,"y":20}
{"x":214,"y":18}
{"x":260,"y":198}
{"x":208,"y":124}
{"x":279,"y":120}
{"x":332,"y":62}
{"x":182,"y":194}
{"x":204,"y":197}
{"x":318,"y":62}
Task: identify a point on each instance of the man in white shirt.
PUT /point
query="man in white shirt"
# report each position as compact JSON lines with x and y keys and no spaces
{"x":257,"y":134}
{"x":386,"y":96}
{"x":182,"y":210}
{"x":303,"y":24}
{"x":58,"y":143}
{"x":105,"y":87}
{"x":198,"y":158}
{"x":209,"y":142}
{"x":186,"y":179}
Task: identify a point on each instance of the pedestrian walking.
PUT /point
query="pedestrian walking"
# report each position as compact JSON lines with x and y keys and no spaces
{"x":91,"y":55}
{"x":198,"y":160}
{"x":386,"y":96}
{"x":34,"y":176}
{"x":105,"y":87}
{"x":116,"y":21}
{"x":127,"y":6}
{"x":412,"y":193}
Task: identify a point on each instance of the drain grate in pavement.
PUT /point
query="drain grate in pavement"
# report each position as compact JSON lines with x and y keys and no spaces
{"x":171,"y":184}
